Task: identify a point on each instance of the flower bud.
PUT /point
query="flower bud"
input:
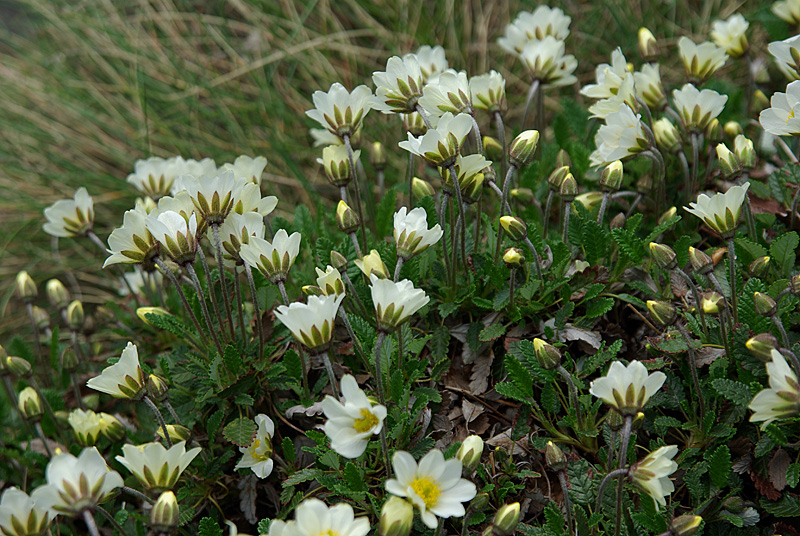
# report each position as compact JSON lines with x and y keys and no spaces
{"x":520,"y":153}
{"x":472,"y":188}
{"x":336,"y":163}
{"x":701,"y":262}
{"x":759,"y":267}
{"x":685,"y":525}
{"x":764,"y":304}
{"x":760,"y":101}
{"x":142,"y":313}
{"x":18,"y":366}
{"x":667,"y":137}
{"x":493,"y":149}
{"x":523,"y":195}
{"x":346,"y":218}
{"x":644,"y":185}
{"x":373,"y":264}
{"x":57,"y":294}
{"x":397,"y":516}
{"x":480,"y":502}
{"x":732,"y":129}
{"x":668,"y":214}
{"x":762,"y":345}
{"x":377,"y":156}
{"x":111,"y":427}
{"x":638,"y":421}
{"x":664,"y":256}
{"x":515,"y":227}
{"x":611,"y":176}
{"x":506,"y":519}
{"x":589,"y":199}
{"x":40,"y":318}
{"x":165,"y":514}
{"x":563,"y":159}
{"x":157,"y":388}
{"x":547,"y":355}
{"x":29,"y":404}
{"x":663,"y":313}
{"x":312,"y":290}
{"x":414,"y":124}
{"x":618,"y":221}
{"x":421,"y":188}
{"x":25,"y":287}
{"x":714,"y":131}
{"x":470,"y":454}
{"x":794,"y":285}
{"x":555,"y":458}
{"x":648,"y":46}
{"x":557,"y":177}
{"x":338,"y":260}
{"x":176,"y":432}
{"x":69,"y":360}
{"x":568,"y":189}
{"x":710,"y":302}
{"x":744,"y":150}
{"x":514,"y":258}
{"x":729,"y":163}
{"x":75,"y":316}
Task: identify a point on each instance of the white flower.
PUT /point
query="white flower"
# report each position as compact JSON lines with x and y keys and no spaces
{"x":181,"y":203}
{"x":311,"y":323}
{"x":447,"y":92}
{"x":488,"y":92}
{"x":336,"y":162}
{"x":514,"y":39}
{"x":788,"y":10}
{"x":466,"y":168}
{"x":609,"y":77}
{"x":527,"y":26}
{"x":197,"y":168}
{"x":440,"y":145}
{"x":411,"y":233}
{"x":213,"y":196}
{"x":340,"y":111}
{"x":330,"y":281}
{"x":730,"y":35}
{"x":372,"y":264}
{"x":395,"y":302}
{"x":248,"y":199}
{"x":547,"y":62}
{"x":314,"y":518}
{"x":247,"y":167}
{"x":649,"y":87}
{"x":350,"y":424}
{"x":627,"y":388}
{"x":721,"y":211}
{"x":236,"y":230}
{"x":626,"y":94}
{"x":398,"y":89}
{"x":434,"y":486}
{"x":621,"y":137}
{"x":87,"y":426}
{"x":651,"y":474}
{"x":431,"y":60}
{"x":132,"y":243}
{"x":123,"y":379}
{"x":256,"y":456}
{"x":176,"y":236}
{"x":156,"y":467}
{"x":154,"y":176}
{"x":698,"y":108}
{"x":323,"y":137}
{"x":782,"y":118}
{"x":275,"y":259}
{"x":700,"y":61}
{"x":70,"y":217}
{"x":787,"y":55}
{"x":782,"y":399}
{"x":76,"y":484}
{"x":21,"y":516}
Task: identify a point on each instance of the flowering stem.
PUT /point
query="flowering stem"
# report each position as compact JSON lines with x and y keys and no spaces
{"x":171,"y":411}
{"x":602,"y":487}
{"x":695,"y":165}
{"x":12,"y":399}
{"x":784,"y":336}
{"x":786,"y":149}
{"x":177,"y":285}
{"x":793,"y":358}
{"x":203,"y":307}
{"x":531,"y":92}
{"x":603,"y":205}
{"x":397,"y":268}
{"x":633,"y":206}
{"x":462,"y":208}
{"x":356,"y":344}
{"x":256,"y":310}
{"x":687,"y":177}
{"x":237,"y":290}
{"x":225,"y":300}
{"x":748,"y":214}
{"x":352,"y":292}
{"x":573,"y":391}
{"x":356,"y":245}
{"x":696,"y":295}
{"x":76,"y":389}
{"x":343,"y":193}
{"x":354,"y":175}
{"x":562,"y":479}
{"x":442,"y":210}
{"x":207,"y":271}
{"x":476,"y":131}
{"x":331,"y":376}
{"x":504,"y":206}
{"x":501,"y":137}
{"x":381,"y":179}
{"x":111,"y":520}
{"x":90,"y":524}
{"x":138,"y":494}
{"x":40,"y":433}
{"x":35,"y":328}
{"x":47,"y":407}
{"x":282,"y":288}
{"x":547,"y":205}
{"x":732,"y":282}
{"x":382,"y":398}
{"x":424,"y":115}
{"x":718,"y":288}
{"x":537,"y":260}
{"x":511,"y":278}
{"x":157,"y":412}
{"x":693,"y":369}
{"x":565,"y":229}
{"x":623,"y":460}
{"x":410,"y":179}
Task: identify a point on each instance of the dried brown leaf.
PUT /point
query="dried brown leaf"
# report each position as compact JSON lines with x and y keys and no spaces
{"x":481,"y":371}
{"x":778,"y":466}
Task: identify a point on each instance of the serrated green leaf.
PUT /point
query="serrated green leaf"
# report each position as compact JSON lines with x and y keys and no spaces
{"x":287,"y":446}
{"x":629,"y":243}
{"x":510,"y":390}
{"x":209,"y":527}
{"x":293,"y":364}
{"x":793,"y":475}
{"x":782,"y":250}
{"x":519,"y":375}
{"x":661,"y":228}
{"x":776,"y":434}
{"x":492,"y":331}
{"x":385,"y":213}
{"x":720,"y":466}
{"x":788,"y":506}
{"x":232,"y":359}
{"x":263,"y":526}
{"x":240,"y":431}
{"x":167,"y":322}
{"x":736,"y":392}
{"x":599,"y":307}
{"x":353,"y":477}
{"x":440,"y":343}
{"x":734,"y":520}
{"x":596,"y":242}
{"x":554,"y":518}
{"x":549,"y":399}
{"x":213,"y":423}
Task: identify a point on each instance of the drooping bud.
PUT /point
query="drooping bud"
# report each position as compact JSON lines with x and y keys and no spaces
{"x":710,"y":302}
{"x":762,"y":345}
{"x":569,"y":189}
{"x":759,"y":267}
{"x":648,"y":46}
{"x":514,"y":258}
{"x":729,"y":163}
{"x":714,"y":131}
{"x":701,"y":262}
{"x":336,"y":163}
{"x":589,"y":199}
{"x":470,"y":454}
{"x":493,"y":149}
{"x":397,"y":516}
{"x":472,"y":188}
{"x":667,"y":137}
{"x":638,"y":421}
{"x":40,"y":318}
{"x":685,"y":525}
{"x":516,"y":228}
{"x":611,"y":176}
{"x":421,"y":188}
{"x":520,"y":152}
{"x":663,"y":313}
{"x":75,"y":315}
{"x":25,"y":287}
{"x":557,"y":177}
{"x":338,"y":260}
{"x":312,"y":290}
{"x":480,"y":502}
{"x":18,"y":366}
{"x":57,"y":294}
{"x":373,"y":264}
{"x":555,"y":458}
{"x":563,"y":159}
{"x":506,"y":519}
{"x":664,"y":256}
{"x":523,"y":195}
{"x":668,"y":214}
{"x":764,"y":304}
{"x":346,"y":218}
{"x":111,"y":427}
{"x":69,"y":360}
{"x":744,"y":150}
{"x":377,"y":156}
{"x":176,"y":433}
{"x":732,"y":129}
{"x":157,"y":388}
{"x":165,"y":514}
{"x":29,"y":404}
{"x":142,"y":313}
{"x":617,"y":222}
{"x":547,"y":355}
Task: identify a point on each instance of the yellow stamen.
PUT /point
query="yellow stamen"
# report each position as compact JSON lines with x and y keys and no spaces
{"x":427,"y":489}
{"x":366,"y":422}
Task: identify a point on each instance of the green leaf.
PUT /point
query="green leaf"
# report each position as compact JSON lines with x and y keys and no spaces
{"x":549,"y":399}
{"x":720,"y":466}
{"x":748,"y":251}
{"x":734,"y":520}
{"x":519,"y":375}
{"x":167,"y":322}
{"x":287,"y":446}
{"x":662,"y":228}
{"x":385,"y":213}
{"x":664,"y":422}
{"x":294,"y":367}
{"x":353,"y":477}
{"x":599,"y":307}
{"x":440,"y":343}
{"x":492,"y":331}
{"x":788,"y":506}
{"x":554,"y":518}
{"x":629,"y":243}
{"x":510,"y":390}
{"x":596,"y":242}
{"x":793,"y":475}
{"x":263,"y":526}
{"x":240,"y":432}
{"x":209,"y":527}
{"x":782,"y":250}
{"x":736,"y":392}
{"x":232,"y":359}
{"x":213,"y":423}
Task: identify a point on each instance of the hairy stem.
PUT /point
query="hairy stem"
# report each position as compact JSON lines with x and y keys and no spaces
{"x":203,"y":307}
{"x":354,"y":175}
{"x":693,"y":369}
{"x":732,"y":282}
{"x":221,"y":267}
{"x":209,"y":282}
{"x":175,"y":283}
{"x":161,"y":422}
{"x":90,"y":523}
{"x":256,"y":310}
{"x":331,"y":376}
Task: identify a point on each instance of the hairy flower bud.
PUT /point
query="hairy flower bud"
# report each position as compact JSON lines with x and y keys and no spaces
{"x":18,"y":366}
{"x":143,"y":312}
{"x":714,"y":131}
{"x":555,"y":458}
{"x":336,"y":163}
{"x":421,"y":188}
{"x":493,"y":149}
{"x":377,"y":156}
{"x":547,"y":355}
{"x":732,"y":129}
{"x":729,"y":163}
{"x":506,"y":519}
{"x":75,"y":316}
{"x":663,"y":313}
{"x":346,"y":218}
{"x":29,"y":404}
{"x":744,"y":150}
{"x":414,"y":124}
{"x":764,"y":304}
{"x":57,"y":294}
{"x":111,"y":427}
{"x":557,"y":177}
{"x":480,"y":502}
{"x":25,"y":287}
{"x":759,"y":267}
{"x":472,"y":188}
{"x":664,"y":256}
{"x":40,"y":318}
{"x":568,"y":189}
{"x":648,"y":46}
{"x":668,"y":214}
{"x":69,"y":360}
{"x":685,"y":525}
{"x":667,"y":137}
{"x":618,"y":221}
{"x":157,"y":388}
{"x":734,"y":505}
{"x":165,"y":514}
{"x":312,"y":290}
{"x":710,"y":302}
{"x":762,"y":345}
{"x":701,"y":262}
{"x":338,"y":260}
{"x":523,"y":195}
{"x":794,"y":284}
{"x":514,"y":258}
{"x":516,"y":228}
{"x":520,"y":152}
{"x":615,"y":420}
{"x":397,"y":516}
{"x":611,"y":176}
{"x":470,"y":454}
{"x":176,"y":432}
{"x":563,"y":159}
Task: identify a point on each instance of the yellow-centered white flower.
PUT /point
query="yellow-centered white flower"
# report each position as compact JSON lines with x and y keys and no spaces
{"x":76,"y":484}
{"x":311,"y":323}
{"x":249,"y":199}
{"x":488,"y":92}
{"x":608,"y":77}
{"x":626,"y":94}
{"x":697,"y":108}
{"x":339,"y":110}
{"x":154,"y":176}
{"x":258,"y":455}
{"x":123,"y":379}
{"x":434,"y":485}
{"x":731,"y":35}
{"x":446,"y":92}
{"x":782,"y":399}
{"x":22,"y":516}
{"x":156,"y":467}
{"x":398,"y":89}
{"x":627,"y":388}
{"x":273,"y":259}
{"x":176,"y":236}
{"x":441,"y":145}
{"x":700,"y":61}
{"x":213,"y":196}
{"x":411,"y":233}
{"x":87,"y":426}
{"x":132,"y":243}
{"x":547,"y":62}
{"x":651,"y":473}
{"x":431,"y":60}
{"x":782,"y":118}
{"x":720,"y":211}
{"x":395,"y":302}
{"x":330,"y":281}
{"x":247,"y":167}
{"x":314,"y":518}
{"x":351,"y":423}
{"x":528,"y":26}
{"x":70,"y":217}
{"x":620,"y":137}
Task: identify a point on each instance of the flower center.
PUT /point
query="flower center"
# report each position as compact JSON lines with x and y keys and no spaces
{"x":366,"y":422}
{"x":427,"y":489}
{"x":329,"y":532}
{"x":260,"y":456}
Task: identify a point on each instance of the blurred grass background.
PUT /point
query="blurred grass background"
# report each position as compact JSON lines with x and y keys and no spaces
{"x":87,"y":87}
